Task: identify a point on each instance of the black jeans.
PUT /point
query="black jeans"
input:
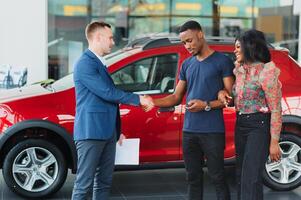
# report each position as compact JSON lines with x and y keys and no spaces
{"x":252,"y":139}
{"x":195,"y":147}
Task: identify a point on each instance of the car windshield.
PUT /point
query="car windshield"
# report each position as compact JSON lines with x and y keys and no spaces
{"x":64,"y":83}
{"x":67,"y":81}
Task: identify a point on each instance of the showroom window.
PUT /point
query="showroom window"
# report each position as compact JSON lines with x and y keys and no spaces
{"x":133,"y":18}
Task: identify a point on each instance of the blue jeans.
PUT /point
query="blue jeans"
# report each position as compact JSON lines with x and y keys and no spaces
{"x":95,"y":168}
{"x":195,"y":147}
{"x":252,"y":139}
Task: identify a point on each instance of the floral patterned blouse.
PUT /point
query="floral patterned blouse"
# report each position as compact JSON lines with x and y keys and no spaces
{"x":257,"y":89}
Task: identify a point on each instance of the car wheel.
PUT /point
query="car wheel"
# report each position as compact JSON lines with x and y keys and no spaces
{"x":286,"y":174}
{"x":34,"y":168}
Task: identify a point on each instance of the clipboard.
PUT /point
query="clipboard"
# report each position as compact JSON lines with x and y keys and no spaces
{"x":128,"y":152}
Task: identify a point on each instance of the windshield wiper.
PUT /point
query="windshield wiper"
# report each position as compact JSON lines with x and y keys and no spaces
{"x":48,"y":87}
{"x":47,"y":84}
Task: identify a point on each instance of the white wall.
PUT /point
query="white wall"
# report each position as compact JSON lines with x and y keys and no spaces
{"x":23,"y":36}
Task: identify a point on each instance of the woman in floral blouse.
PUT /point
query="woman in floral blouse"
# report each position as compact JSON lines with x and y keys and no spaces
{"x":257,"y":99}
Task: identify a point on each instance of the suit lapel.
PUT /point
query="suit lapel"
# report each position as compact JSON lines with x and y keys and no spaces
{"x":100,"y":64}
{"x":107,"y":73}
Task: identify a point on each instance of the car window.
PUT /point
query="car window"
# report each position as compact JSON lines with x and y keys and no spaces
{"x":291,"y":45}
{"x":152,"y":75}
{"x":133,"y":73}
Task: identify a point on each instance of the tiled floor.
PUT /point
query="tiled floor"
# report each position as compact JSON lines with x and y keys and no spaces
{"x":165,"y":184}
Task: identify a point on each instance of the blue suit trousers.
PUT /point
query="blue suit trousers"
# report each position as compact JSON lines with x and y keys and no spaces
{"x":95,"y":168}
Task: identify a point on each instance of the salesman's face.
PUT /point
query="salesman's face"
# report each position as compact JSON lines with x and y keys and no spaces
{"x":105,"y":40}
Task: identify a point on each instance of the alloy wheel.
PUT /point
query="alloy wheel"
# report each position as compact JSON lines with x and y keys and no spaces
{"x":288,"y":169}
{"x":35,"y":169}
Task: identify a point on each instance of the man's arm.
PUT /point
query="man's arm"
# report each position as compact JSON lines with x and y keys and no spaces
{"x":173,"y":99}
{"x":95,"y":81}
{"x":196,"y":105}
{"x":224,"y":95}
{"x":228,"y":83}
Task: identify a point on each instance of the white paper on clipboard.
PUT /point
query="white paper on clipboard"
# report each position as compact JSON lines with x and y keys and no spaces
{"x":128,"y":152}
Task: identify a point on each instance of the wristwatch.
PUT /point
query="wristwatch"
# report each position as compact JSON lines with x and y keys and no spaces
{"x":207,"y":107}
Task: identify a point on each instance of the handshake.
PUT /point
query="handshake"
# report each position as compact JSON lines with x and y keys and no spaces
{"x":146,"y":102}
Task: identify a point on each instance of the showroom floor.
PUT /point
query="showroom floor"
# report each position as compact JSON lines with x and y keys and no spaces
{"x":165,"y":184}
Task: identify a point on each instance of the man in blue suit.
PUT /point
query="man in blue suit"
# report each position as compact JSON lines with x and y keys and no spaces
{"x":97,"y":119}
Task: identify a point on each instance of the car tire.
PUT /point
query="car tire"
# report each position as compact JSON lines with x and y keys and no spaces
{"x":286,"y":174}
{"x":34,"y":168}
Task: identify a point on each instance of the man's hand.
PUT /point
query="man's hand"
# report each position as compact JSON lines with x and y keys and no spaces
{"x":196,"y":105}
{"x":224,"y":97}
{"x":146,"y":102}
{"x":121,"y":138}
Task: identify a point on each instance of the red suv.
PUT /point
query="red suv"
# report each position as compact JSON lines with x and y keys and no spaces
{"x":36,"y":122}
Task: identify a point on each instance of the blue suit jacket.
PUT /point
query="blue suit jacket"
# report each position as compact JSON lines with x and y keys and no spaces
{"x":97,"y":100}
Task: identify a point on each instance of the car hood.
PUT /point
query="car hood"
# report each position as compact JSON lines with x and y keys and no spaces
{"x":22,"y":93}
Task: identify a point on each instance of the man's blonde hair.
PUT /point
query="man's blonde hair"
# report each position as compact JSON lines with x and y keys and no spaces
{"x":93,"y":27}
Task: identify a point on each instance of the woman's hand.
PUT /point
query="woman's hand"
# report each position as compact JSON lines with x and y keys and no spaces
{"x":275,"y":152}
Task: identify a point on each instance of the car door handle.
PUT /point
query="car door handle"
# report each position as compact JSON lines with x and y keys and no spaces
{"x":167,"y":109}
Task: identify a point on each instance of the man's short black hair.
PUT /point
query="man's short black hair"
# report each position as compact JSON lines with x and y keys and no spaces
{"x":192,"y":25}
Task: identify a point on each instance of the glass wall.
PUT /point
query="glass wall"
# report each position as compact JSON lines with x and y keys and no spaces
{"x":133,"y":18}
